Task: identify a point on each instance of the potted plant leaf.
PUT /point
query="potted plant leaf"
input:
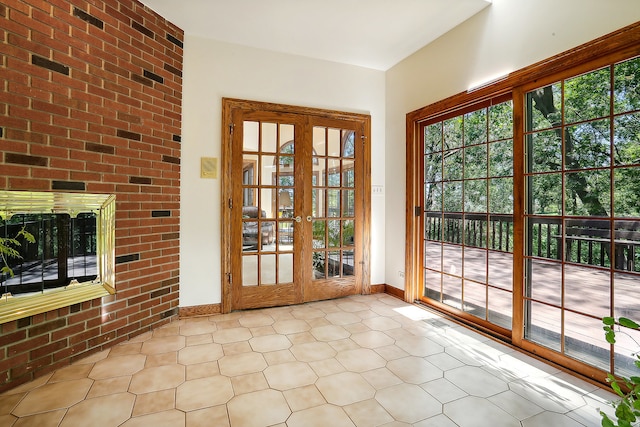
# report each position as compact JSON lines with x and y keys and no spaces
{"x":627,"y":408}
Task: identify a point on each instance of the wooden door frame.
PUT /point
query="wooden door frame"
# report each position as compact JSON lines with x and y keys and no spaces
{"x":231,"y":106}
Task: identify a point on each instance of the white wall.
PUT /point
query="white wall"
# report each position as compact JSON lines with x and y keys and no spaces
{"x":507,"y":36}
{"x":213,"y":70}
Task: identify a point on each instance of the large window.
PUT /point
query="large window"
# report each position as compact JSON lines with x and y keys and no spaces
{"x":523,"y":205}
{"x":583,"y":211}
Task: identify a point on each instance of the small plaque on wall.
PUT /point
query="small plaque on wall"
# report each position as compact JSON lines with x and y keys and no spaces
{"x":209,"y":167}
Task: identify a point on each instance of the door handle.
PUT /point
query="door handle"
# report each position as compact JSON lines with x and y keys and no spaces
{"x":298,"y":218}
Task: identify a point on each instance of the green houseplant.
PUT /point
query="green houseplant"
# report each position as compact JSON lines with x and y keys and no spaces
{"x":627,"y":409}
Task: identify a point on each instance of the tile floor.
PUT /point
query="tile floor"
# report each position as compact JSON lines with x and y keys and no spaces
{"x":359,"y":361}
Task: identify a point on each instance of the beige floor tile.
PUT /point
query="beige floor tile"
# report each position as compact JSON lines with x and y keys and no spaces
{"x":476,"y":381}
{"x":228,"y":324}
{"x":320,"y":416}
{"x":344,"y":345}
{"x":292,"y":326}
{"x":163,"y":344}
{"x":467,"y":411}
{"x":342,"y":318}
{"x":9,"y":401}
{"x":109,"y":386}
{"x":118,"y":366}
{"x":269,"y":343}
{"x":202,"y":370}
{"x":352,"y":306}
{"x":169,"y":358}
{"x":256,"y":320}
{"x":516,"y":405}
{"x":94,"y":357}
{"x":372,"y":339}
{"x":419,"y":346}
{"x":198,"y":327}
{"x":326,"y":367}
{"x":276,"y":357}
{"x":306,"y":313}
{"x":290,"y":375}
{"x":389,"y":364}
{"x":242,"y":364}
{"x":381,"y":378}
{"x":444,"y":390}
{"x":304,"y":398}
{"x":409,"y":403}
{"x":546,"y":419}
{"x":345,"y":388}
{"x":225,"y":336}
{"x":312,"y":351}
{"x":172,"y":418}
{"x":200,"y":354}
{"x":49,"y":397}
{"x":151,"y":403}
{"x":258,"y":409}
{"x":391,"y":352}
{"x":356,"y":328}
{"x":249,"y":383}
{"x":48,"y":419}
{"x":318,"y":322}
{"x":444,"y":361}
{"x":437,"y":421}
{"x":157,"y":378}
{"x":301,"y":338}
{"x":168,"y":331}
{"x":208,"y":417}
{"x":381,"y":323}
{"x":199,"y":339}
{"x":110,"y":410}
{"x":10,"y":420}
{"x":414,"y":370}
{"x":360,"y":360}
{"x":126,"y":348}
{"x":236,"y":348}
{"x":262,"y":330}
{"x":203,"y":393}
{"x":368,"y":413}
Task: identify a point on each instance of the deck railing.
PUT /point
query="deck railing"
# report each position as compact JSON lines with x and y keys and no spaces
{"x":582,"y":241}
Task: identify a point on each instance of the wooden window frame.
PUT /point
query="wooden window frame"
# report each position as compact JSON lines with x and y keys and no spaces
{"x":617,"y":46}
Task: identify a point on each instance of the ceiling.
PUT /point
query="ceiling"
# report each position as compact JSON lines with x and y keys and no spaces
{"x":369,"y":33}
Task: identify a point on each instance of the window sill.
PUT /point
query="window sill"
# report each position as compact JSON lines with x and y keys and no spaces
{"x":15,"y":308}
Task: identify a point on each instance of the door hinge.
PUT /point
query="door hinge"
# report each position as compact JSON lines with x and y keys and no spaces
{"x":231,"y":126}
{"x":230,"y":278}
{"x":230,"y":203}
{"x":418,"y":210}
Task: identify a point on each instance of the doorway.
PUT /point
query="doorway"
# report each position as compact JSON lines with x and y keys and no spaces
{"x":295,"y":213}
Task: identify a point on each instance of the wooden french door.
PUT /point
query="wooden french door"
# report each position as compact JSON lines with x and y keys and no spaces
{"x":295,"y":213}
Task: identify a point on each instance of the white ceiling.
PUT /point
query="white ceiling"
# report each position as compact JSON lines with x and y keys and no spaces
{"x":370,"y":33}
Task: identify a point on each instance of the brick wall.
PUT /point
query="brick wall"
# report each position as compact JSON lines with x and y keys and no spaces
{"x":91,"y":102}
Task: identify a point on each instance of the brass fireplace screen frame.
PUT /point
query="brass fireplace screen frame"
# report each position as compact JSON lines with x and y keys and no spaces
{"x":34,"y":202}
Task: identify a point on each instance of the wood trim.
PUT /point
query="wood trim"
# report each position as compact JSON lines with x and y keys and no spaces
{"x":365,"y":271}
{"x":378,"y":289}
{"x":519,"y":191}
{"x":199,"y":310}
{"x":393,"y":291}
